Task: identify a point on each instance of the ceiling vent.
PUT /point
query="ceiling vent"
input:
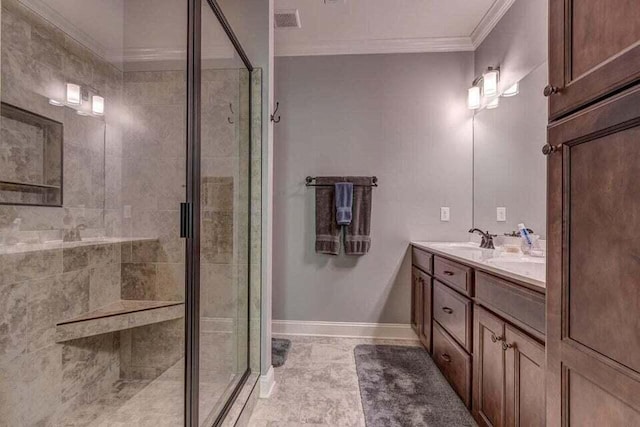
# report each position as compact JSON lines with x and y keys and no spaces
{"x":289,"y":18}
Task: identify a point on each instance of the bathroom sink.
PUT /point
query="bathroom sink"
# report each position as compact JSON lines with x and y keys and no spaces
{"x":531,"y":267}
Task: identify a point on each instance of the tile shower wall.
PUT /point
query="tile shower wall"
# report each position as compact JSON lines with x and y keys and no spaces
{"x":37,"y":59}
{"x":43,"y":382}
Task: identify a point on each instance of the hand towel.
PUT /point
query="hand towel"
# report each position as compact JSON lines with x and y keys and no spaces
{"x":344,"y":202}
{"x":358,"y":233}
{"x":327,"y":228}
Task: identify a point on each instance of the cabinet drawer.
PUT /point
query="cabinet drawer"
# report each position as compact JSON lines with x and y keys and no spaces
{"x":421,"y":259}
{"x":454,"y":362}
{"x":453,"y":274}
{"x":454,"y":313}
{"x":521,"y":306}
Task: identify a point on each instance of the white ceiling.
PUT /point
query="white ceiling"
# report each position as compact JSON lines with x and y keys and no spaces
{"x":383,"y":26}
{"x":134,"y":30}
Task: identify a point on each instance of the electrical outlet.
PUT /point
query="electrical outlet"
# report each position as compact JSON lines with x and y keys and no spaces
{"x":127,"y":211}
{"x":445,"y":214}
{"x":501,"y":214}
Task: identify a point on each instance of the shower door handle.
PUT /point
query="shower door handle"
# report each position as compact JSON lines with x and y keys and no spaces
{"x":186,"y":220}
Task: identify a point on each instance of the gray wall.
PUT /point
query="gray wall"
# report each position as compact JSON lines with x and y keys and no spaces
{"x":518,"y":44}
{"x":400,"y":117}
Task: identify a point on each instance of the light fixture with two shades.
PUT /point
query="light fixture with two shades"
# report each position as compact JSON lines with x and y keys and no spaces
{"x":487,"y":87}
{"x":74,"y":98}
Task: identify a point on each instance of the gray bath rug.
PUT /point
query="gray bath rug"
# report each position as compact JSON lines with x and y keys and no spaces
{"x":402,"y":387}
{"x":279,"y":351}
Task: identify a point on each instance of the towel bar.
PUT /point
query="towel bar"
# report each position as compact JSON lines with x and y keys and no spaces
{"x":309,"y":182}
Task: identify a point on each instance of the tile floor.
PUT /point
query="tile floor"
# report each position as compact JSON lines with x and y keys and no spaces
{"x":157,"y":403}
{"x":318,"y":385}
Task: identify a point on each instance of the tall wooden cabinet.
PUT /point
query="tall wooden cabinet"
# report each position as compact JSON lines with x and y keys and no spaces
{"x":594,"y":50}
{"x":593,"y":257}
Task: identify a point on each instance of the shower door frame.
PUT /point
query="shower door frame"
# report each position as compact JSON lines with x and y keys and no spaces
{"x":193,"y":195}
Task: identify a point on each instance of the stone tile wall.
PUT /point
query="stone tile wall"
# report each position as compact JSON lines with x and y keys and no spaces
{"x":37,"y":60}
{"x":41,"y":380}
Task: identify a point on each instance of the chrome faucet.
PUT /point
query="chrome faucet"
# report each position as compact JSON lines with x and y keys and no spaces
{"x":73,"y":234}
{"x":487,"y":238}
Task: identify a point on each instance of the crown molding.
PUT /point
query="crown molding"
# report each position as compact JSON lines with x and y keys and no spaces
{"x":489,"y":21}
{"x":41,"y":8}
{"x":354,"y":47}
{"x":403,"y":45}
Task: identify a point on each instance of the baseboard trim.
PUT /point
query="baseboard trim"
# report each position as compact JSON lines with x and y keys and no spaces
{"x":394,"y":331}
{"x":267,"y":383}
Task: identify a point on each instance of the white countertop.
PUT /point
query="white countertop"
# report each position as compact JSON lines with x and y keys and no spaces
{"x":21,"y":248}
{"x":520,"y":267}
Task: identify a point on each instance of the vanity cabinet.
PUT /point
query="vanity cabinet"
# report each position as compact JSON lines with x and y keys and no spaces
{"x":508,"y":374}
{"x":416,"y":301}
{"x":421,"y":306}
{"x":487,"y":335}
{"x":594,"y":50}
{"x":489,"y":369}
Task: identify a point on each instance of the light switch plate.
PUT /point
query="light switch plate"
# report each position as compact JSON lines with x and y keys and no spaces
{"x":445,"y":214}
{"x":127,"y":211}
{"x":501,"y":214}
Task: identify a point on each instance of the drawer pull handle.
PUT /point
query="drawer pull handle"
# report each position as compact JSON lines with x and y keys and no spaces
{"x":448,"y":273}
{"x":446,"y":357}
{"x":494,"y":338}
{"x":506,"y":346}
{"x":447,"y":310}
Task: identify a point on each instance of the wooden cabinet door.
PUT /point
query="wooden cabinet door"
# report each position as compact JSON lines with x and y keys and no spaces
{"x":426,"y":283}
{"x":524,"y":380}
{"x":416,"y":301}
{"x":488,"y":369}
{"x":593,"y":266}
{"x":594,"y":50}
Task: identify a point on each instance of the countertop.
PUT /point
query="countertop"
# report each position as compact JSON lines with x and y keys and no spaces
{"x":522,"y":268}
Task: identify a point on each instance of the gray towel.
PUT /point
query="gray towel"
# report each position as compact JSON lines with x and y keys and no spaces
{"x":344,"y":202}
{"x":357,"y":239}
{"x":327,"y":229}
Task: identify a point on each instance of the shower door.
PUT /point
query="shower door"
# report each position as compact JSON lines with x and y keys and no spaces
{"x":220,"y":197}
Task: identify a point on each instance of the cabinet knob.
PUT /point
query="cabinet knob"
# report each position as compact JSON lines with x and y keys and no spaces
{"x":494,"y":338}
{"x":550,"y":149}
{"x":448,"y":273}
{"x":447,"y":310}
{"x":551,"y":90}
{"x":446,"y":357}
{"x":506,"y":346}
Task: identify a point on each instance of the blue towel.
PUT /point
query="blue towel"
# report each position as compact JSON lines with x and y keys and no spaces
{"x":344,"y":202}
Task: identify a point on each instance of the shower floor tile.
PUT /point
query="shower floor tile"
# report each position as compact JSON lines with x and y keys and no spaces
{"x":142,"y":403}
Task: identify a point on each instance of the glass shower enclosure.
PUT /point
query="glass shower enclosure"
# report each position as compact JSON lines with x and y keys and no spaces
{"x":129,"y":214}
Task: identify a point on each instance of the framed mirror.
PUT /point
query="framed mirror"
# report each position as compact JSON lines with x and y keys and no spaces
{"x":509,"y":169}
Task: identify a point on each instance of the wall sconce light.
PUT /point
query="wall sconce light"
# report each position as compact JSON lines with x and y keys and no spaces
{"x":512,"y":91}
{"x":74,"y":95}
{"x":490,"y":82}
{"x":473,"y":100}
{"x":493,"y":104}
{"x":97,"y":105}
